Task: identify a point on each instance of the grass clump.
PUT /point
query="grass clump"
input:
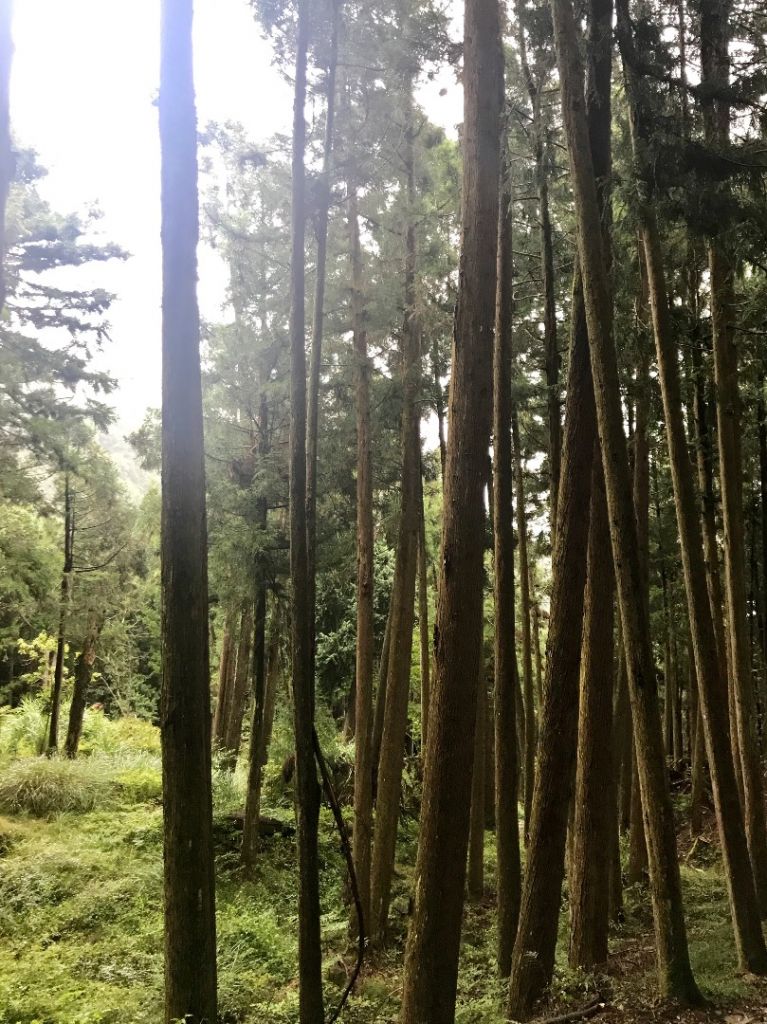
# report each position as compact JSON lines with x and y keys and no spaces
{"x":42,"y":786}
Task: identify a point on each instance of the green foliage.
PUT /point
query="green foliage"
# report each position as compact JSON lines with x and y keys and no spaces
{"x":41,"y":786}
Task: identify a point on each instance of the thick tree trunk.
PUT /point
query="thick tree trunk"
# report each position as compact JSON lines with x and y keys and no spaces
{"x":189,"y":892}
{"x":508,"y":872}
{"x":83,"y":674}
{"x":675,"y":975}
{"x":595,"y":789}
{"x":307,"y":786}
{"x":380,"y":700}
{"x":403,"y":595}
{"x":363,"y":765}
{"x":431,"y":962}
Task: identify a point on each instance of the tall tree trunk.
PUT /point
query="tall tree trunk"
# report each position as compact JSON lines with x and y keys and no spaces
{"x":524,"y":617}
{"x":403,"y":592}
{"x":475,"y":881}
{"x":675,"y":975}
{"x":83,"y":675}
{"x":431,"y":961}
{"x":551,"y":350}
{"x":273,"y":674}
{"x":189,"y":892}
{"x":712,"y":685}
{"x":363,"y":765}
{"x":715,"y":68}
{"x":64,"y":602}
{"x":380,"y":699}
{"x":508,"y":875}
{"x":226,"y":667}
{"x":318,"y":317}
{"x":307,"y":787}
{"x":423,"y":622}
{"x":595,"y":790}
{"x":250,"y":830}
{"x":239,"y":691}
{"x":533,"y":956}
{"x":533,"y":959}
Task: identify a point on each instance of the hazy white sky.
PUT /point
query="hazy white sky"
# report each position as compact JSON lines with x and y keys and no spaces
{"x":85,"y":73}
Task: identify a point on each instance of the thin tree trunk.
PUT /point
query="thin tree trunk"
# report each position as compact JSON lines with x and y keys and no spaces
{"x":83,"y":675}
{"x":423,"y":623}
{"x":6,"y":146}
{"x":712,"y":685}
{"x":380,"y":699}
{"x":533,"y":958}
{"x":524,"y":617}
{"x":595,"y":790}
{"x":363,"y":765}
{"x":64,"y":602}
{"x":508,"y":872}
{"x":307,"y":787}
{"x":318,"y":318}
{"x":475,"y":881}
{"x":272,"y":684}
{"x":403,"y":594}
{"x":225,"y":671}
{"x":431,"y":961}
{"x":239,"y":692}
{"x":189,"y":891}
{"x":675,"y":975}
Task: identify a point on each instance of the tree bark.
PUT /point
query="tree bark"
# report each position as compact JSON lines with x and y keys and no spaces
{"x":431,"y":961}
{"x":189,"y":891}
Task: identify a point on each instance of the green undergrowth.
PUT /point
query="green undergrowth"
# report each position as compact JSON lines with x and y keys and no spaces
{"x":81,"y":911}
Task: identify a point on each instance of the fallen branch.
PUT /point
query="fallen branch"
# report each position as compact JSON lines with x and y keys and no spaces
{"x":590,"y":1010}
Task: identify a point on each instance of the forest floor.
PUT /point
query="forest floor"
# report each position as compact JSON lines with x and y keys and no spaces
{"x":81,"y":920}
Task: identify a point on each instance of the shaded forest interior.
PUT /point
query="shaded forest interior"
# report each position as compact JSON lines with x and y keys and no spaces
{"x":410,"y":663}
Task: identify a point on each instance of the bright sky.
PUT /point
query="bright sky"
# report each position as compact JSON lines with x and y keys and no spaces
{"x":85,"y":74}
